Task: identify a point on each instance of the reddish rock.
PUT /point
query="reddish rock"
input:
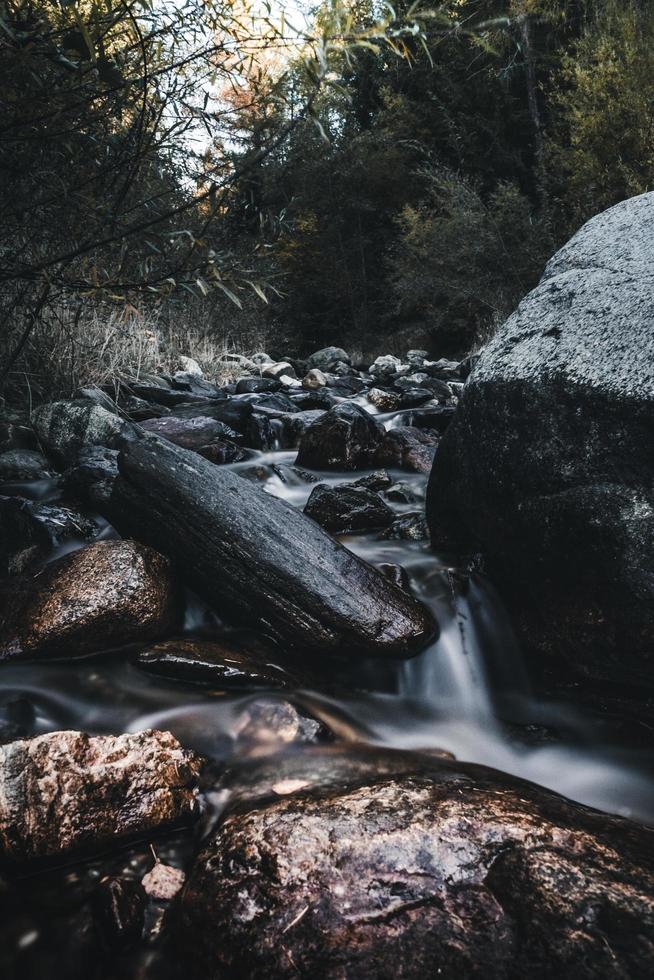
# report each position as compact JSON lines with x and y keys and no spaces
{"x":105,"y":595}
{"x":68,"y":791}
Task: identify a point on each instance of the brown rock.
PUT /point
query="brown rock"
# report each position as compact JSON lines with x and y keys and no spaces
{"x":195,"y":433}
{"x":68,"y":791}
{"x":386,"y":865}
{"x":409,"y":448}
{"x":105,"y":595}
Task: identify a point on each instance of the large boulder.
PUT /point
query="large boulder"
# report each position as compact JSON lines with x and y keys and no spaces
{"x":105,"y":595}
{"x":258,"y":560}
{"x":548,"y":468}
{"x":381,"y":865}
{"x":67,"y":791}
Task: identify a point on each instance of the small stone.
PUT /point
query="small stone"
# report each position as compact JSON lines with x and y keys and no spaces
{"x":266,"y":725}
{"x":314,"y":379}
{"x":190,"y":366}
{"x":327,"y":358}
{"x":385,"y":401}
{"x":387,"y":366}
{"x":409,"y":527}
{"x":347,"y":509}
{"x":278,"y":370}
{"x":163,"y":882}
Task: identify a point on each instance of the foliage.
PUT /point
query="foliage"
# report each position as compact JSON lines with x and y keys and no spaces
{"x":602,"y":140}
{"x":462,"y":262}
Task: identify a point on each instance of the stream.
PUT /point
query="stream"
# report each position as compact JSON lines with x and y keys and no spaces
{"x":468,"y":693}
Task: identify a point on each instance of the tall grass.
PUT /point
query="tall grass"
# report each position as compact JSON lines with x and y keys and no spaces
{"x":79,"y":345}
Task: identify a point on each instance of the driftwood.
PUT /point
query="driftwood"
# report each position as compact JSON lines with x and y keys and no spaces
{"x":258,"y":560}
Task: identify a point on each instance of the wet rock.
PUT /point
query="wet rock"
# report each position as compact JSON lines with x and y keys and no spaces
{"x":345,"y":438}
{"x":119,"y":912}
{"x":92,"y":475}
{"x":238,"y":659}
{"x":23,"y":464}
{"x":388,"y":366}
{"x":163,"y":394}
{"x":223,"y":452}
{"x":403,"y":493}
{"x":105,"y":595}
{"x":267,"y":725}
{"x":191,"y":433}
{"x":346,"y":387}
{"x":314,"y":379}
{"x":234,"y":412}
{"x":269,"y":428}
{"x":65,"y":428}
{"x":414,"y":397}
{"x":379,"y":480}
{"x":385,"y":401}
{"x":325,"y":360}
{"x":548,"y":470}
{"x":430,"y":417}
{"x":347,"y":509}
{"x":251,"y":386}
{"x":278,"y":370}
{"x":408,"y":448}
{"x":258,"y":559}
{"x":394,"y":865}
{"x":320,"y":398}
{"x":413,"y":380}
{"x":409,"y":527}
{"x":416,"y":358}
{"x":441,"y":391}
{"x":30,"y":531}
{"x":443,"y":370}
{"x":68,"y":791}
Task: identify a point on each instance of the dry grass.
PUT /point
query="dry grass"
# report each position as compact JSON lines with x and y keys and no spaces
{"x":83,"y":345}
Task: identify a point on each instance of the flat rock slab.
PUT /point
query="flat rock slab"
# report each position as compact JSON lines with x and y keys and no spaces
{"x":104,"y":595}
{"x":235,"y":660}
{"x":258,"y":560}
{"x":379,"y":865}
{"x":68,"y":791}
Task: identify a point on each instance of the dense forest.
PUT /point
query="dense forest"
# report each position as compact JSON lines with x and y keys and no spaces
{"x":240,"y":176}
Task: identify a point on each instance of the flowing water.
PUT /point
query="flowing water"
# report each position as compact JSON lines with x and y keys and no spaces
{"x":467,"y":694}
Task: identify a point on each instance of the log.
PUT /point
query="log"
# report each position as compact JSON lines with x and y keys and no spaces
{"x":257,"y":560}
